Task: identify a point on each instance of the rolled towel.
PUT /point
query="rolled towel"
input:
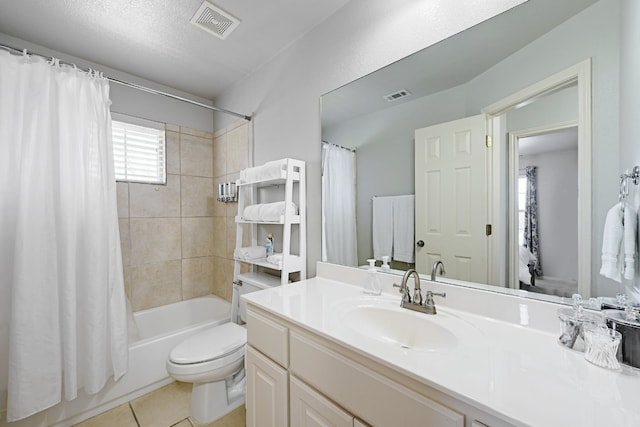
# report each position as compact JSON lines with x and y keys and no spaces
{"x":251,"y":213}
{"x":250,"y":252}
{"x":269,"y":211}
{"x":276,"y":259}
{"x":269,"y":170}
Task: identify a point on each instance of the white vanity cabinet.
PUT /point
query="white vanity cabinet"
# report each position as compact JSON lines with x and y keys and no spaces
{"x":299,"y":378}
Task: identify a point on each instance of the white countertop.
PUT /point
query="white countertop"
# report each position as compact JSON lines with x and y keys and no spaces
{"x":515,"y":372}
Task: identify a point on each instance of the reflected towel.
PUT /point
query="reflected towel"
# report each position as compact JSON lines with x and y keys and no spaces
{"x":250,"y":252}
{"x":382,"y":225}
{"x":403,"y":228}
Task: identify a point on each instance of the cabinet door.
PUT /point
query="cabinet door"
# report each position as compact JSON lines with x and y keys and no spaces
{"x":267,"y":391}
{"x":311,"y":409}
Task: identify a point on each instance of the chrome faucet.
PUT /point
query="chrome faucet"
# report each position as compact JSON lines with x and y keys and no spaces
{"x":434,"y":270}
{"x":429,"y":306}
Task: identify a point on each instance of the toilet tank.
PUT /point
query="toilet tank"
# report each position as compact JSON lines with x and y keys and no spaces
{"x":247,"y":283}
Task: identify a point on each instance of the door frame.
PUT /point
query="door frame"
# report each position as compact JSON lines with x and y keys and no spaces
{"x":579,"y":75}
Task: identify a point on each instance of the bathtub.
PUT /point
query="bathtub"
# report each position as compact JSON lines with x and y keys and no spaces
{"x":158,"y":331}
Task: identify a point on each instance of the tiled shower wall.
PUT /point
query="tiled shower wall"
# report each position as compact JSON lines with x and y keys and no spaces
{"x":177,"y":239}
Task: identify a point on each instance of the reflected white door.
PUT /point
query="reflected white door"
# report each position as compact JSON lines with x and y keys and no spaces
{"x":451,"y":198}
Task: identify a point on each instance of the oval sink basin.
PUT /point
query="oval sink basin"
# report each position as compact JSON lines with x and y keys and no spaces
{"x":407,"y":329}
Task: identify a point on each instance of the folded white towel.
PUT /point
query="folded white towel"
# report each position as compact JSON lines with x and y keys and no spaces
{"x":277,"y":259}
{"x":269,"y":170}
{"x":250,"y":252}
{"x":382,"y":225}
{"x":619,"y":243}
{"x":403,"y":228}
{"x":269,"y":211}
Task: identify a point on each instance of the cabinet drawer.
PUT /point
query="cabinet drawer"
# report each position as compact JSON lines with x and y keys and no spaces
{"x":361,"y":390}
{"x":268,"y":336}
{"x":309,"y":408}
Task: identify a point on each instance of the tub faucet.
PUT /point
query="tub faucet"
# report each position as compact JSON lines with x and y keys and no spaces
{"x":434,"y":270}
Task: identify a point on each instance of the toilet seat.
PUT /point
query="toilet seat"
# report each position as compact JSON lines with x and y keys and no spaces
{"x":210,"y":355}
{"x":217,"y":342}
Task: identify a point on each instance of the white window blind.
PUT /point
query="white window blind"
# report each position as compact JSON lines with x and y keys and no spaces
{"x":139,"y":150}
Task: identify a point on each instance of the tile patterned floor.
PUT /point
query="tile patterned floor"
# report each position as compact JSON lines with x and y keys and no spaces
{"x":165,"y":407}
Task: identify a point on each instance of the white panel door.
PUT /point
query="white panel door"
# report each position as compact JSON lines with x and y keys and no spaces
{"x":451,"y":198}
{"x":267,"y":397}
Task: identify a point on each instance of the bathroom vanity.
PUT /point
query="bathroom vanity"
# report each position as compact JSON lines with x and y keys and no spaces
{"x":321,"y":351}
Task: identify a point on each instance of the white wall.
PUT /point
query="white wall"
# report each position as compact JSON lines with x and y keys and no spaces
{"x":360,"y":38}
{"x":126,"y":100}
{"x":557,"y":211}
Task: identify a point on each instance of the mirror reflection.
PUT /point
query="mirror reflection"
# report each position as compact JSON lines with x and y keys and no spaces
{"x":523,"y":196}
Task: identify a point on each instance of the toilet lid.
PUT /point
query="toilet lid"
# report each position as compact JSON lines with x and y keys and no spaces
{"x":211,"y":344}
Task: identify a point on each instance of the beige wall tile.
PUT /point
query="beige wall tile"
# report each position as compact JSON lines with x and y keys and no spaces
{"x":122,"y":193}
{"x":231,"y":237}
{"x":173,"y":152}
{"x":197,"y":196}
{"x":120,"y":416}
{"x":196,"y":156}
{"x":219,"y":208}
{"x":197,"y":237}
{"x":127,"y":281}
{"x":163,"y":407}
{"x":155,"y":201}
{"x":196,"y":132}
{"x":155,"y":240}
{"x":183,"y":423}
{"x":237,"y":149}
{"x":154,"y":285}
{"x":125,"y":240}
{"x":171,"y":127}
{"x":197,"y":277}
{"x":223,"y":278}
{"x":220,"y":156}
{"x":219,"y":237}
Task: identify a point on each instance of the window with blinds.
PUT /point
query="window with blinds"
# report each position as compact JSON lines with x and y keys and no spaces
{"x":139,"y":150}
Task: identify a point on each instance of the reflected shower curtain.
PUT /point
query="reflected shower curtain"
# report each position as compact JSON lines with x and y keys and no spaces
{"x":339,"y":206}
{"x":531,"y":236}
{"x":62,"y":301}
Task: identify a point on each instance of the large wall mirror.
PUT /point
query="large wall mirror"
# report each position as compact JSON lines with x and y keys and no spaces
{"x":376,"y":131}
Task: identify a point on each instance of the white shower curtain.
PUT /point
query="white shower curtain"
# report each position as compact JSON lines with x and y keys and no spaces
{"x":339,"y":241}
{"x":62,"y":309}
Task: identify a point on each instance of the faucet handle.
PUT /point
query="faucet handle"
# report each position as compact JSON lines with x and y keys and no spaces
{"x":417,"y":296}
{"x":404,"y":290}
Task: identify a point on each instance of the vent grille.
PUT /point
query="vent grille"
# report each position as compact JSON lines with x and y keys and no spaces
{"x":397,"y":95}
{"x":215,"y":20}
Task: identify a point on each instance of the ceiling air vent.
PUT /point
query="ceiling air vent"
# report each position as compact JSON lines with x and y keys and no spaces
{"x":215,"y":20}
{"x":397,"y":95}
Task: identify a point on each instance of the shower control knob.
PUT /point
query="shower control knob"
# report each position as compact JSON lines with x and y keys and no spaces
{"x":420,"y":243}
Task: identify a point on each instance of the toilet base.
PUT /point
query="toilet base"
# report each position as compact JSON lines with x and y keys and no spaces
{"x":213,"y":400}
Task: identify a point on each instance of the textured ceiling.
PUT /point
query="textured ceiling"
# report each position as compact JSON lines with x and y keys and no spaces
{"x":153,"y":39}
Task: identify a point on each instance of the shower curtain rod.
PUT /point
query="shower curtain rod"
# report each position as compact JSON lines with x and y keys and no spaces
{"x":12,"y":49}
{"x":353,"y":150}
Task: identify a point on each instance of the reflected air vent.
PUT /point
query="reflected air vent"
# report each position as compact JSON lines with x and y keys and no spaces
{"x":215,"y":20}
{"x":397,"y":95}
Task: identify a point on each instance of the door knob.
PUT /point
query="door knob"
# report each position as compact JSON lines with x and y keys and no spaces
{"x":420,"y":243}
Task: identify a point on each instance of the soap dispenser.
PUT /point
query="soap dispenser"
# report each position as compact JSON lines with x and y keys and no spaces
{"x":372,"y":286}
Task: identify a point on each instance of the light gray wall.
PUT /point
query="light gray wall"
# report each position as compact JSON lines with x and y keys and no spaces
{"x":557,"y":211}
{"x":126,"y":100}
{"x":360,"y":38}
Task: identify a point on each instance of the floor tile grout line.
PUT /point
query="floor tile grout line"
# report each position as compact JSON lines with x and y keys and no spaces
{"x":134,"y":414}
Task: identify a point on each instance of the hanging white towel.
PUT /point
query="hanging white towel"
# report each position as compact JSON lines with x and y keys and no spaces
{"x":619,"y":243}
{"x":403,"y":228}
{"x":382,"y":225}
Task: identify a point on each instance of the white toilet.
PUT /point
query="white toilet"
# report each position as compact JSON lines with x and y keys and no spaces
{"x":213,"y":360}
